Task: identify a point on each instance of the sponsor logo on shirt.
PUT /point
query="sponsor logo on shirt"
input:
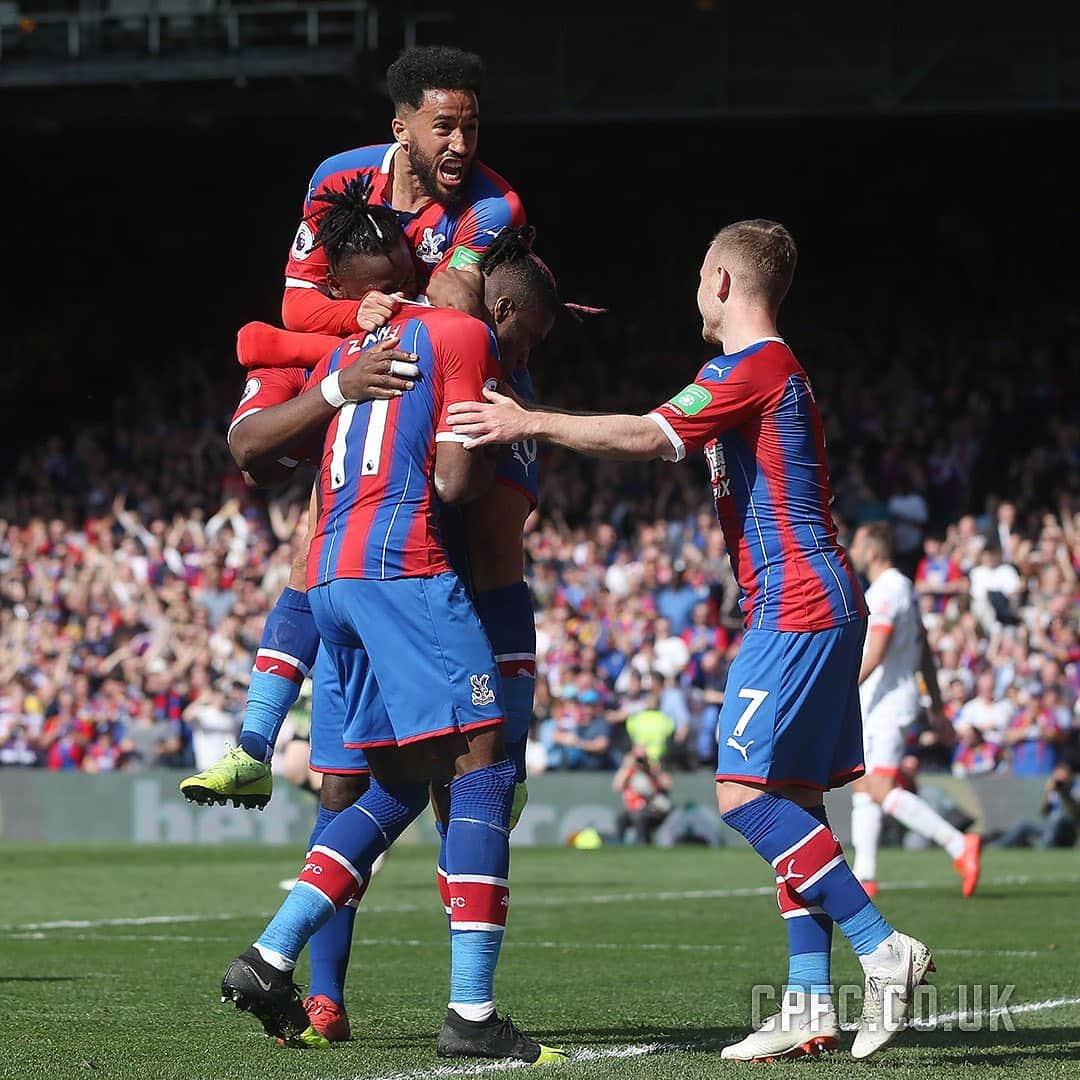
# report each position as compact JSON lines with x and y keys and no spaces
{"x":718,"y":474}
{"x":464,"y":256}
{"x":691,"y":400}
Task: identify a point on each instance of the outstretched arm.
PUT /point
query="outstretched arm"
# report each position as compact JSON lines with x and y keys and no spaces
{"x":500,"y":419}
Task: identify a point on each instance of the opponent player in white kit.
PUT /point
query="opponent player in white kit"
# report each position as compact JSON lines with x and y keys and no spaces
{"x":896,"y":650}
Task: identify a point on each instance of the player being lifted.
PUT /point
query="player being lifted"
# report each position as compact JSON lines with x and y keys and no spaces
{"x":450,"y":207}
{"x":790,"y":724}
{"x":379,"y":578}
{"x":896,"y":651}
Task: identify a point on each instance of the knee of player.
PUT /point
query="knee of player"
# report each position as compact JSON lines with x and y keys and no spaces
{"x":340,"y":792}
{"x":879,"y":785}
{"x":730,"y":795}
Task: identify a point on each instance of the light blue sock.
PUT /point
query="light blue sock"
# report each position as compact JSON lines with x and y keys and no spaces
{"x":304,"y":911}
{"x":330,"y":945}
{"x":478,"y":867}
{"x":287,"y":650}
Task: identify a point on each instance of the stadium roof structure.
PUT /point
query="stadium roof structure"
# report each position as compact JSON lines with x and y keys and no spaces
{"x":685,"y":59}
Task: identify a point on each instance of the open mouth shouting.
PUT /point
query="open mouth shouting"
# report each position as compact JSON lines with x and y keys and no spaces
{"x":451,"y":171}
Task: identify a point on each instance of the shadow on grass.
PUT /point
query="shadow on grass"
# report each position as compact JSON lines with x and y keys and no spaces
{"x":1001,"y":1047}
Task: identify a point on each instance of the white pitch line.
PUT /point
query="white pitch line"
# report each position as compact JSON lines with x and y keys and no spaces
{"x":929,"y":1023}
{"x":141,"y":920}
{"x":632,"y":1050}
{"x":519,"y":902}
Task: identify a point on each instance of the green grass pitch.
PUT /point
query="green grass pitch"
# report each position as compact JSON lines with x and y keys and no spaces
{"x":641,"y":962}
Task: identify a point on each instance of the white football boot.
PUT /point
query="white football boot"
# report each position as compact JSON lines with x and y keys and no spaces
{"x":890,"y":993}
{"x":805,"y":1026}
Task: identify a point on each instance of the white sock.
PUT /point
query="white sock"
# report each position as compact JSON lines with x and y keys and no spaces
{"x":865,"y":835}
{"x":918,"y":815}
{"x":274,"y":959}
{"x":885,"y":954}
{"x":483,"y":1011}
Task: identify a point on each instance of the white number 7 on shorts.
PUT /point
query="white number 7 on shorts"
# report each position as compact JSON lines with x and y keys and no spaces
{"x":755,"y":698}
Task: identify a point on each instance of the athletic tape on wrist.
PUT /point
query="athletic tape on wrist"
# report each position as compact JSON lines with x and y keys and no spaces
{"x":330,"y":388}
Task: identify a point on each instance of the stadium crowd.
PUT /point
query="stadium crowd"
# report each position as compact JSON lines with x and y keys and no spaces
{"x":136,"y":569}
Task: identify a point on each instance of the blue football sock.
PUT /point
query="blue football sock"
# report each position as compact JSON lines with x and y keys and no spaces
{"x":808,"y":858}
{"x":330,"y":946}
{"x":478,"y":867}
{"x":286,"y":653}
{"x":338,"y":867}
{"x":809,"y":932}
{"x":444,"y":888}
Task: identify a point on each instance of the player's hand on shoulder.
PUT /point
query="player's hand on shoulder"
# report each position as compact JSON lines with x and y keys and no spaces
{"x":498,"y":419}
{"x":377,"y":309}
{"x":461,"y":288}
{"x":384,"y":371}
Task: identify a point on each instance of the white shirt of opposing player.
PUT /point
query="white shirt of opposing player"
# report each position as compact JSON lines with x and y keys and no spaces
{"x":891,"y":693}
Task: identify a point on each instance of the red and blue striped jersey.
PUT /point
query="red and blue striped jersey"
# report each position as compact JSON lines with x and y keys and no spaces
{"x":378,"y":511}
{"x":435,"y":233}
{"x":755,"y":415}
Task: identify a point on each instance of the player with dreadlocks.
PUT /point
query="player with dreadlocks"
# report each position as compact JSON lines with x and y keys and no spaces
{"x":449,"y":204}
{"x":350,"y":563}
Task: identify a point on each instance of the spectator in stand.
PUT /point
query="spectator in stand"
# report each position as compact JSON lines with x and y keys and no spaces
{"x":973,"y":755}
{"x":703,"y":634}
{"x":909,"y":514}
{"x":938,"y":575}
{"x":678,"y":598}
{"x":995,"y":590}
{"x":578,"y":736}
{"x":991,"y":716}
{"x":1035,"y":734}
{"x":709,"y":681}
{"x":671,"y":654}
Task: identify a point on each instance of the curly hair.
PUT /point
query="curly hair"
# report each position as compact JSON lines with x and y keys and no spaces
{"x":432,"y":67}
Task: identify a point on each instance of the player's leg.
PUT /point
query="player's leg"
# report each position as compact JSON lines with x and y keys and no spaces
{"x":882,"y":748}
{"x":345,"y":777}
{"x":449,"y":698}
{"x":338,"y":868}
{"x":919,"y":816}
{"x":330,"y":946}
{"x":794,"y":740}
{"x":506,"y":615}
{"x":806,"y":1024}
{"x":285,"y":655}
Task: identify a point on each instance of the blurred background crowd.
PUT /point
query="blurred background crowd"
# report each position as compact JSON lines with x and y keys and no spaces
{"x":136,"y":570}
